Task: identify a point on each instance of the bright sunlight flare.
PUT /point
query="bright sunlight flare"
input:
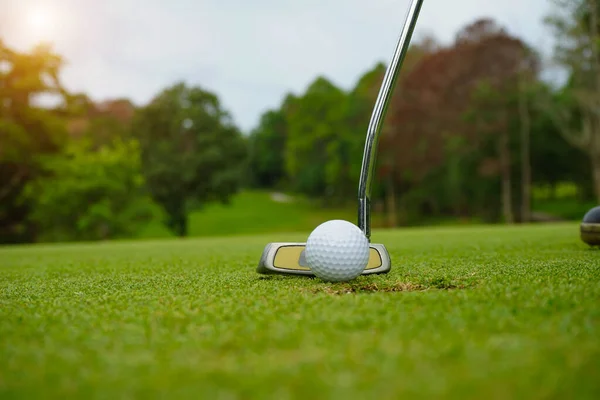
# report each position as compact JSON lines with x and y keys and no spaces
{"x":41,"y":22}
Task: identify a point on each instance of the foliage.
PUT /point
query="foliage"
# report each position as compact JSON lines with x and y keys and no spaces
{"x":316,"y":148}
{"x":27,"y":131}
{"x":90,"y":194}
{"x":266,"y":147}
{"x":470,"y":132}
{"x":455,"y":112}
{"x":456,"y":140}
{"x":191,"y":151}
{"x":106,"y":121}
{"x":576,"y":25}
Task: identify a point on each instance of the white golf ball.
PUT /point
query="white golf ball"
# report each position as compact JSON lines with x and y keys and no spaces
{"x":337,"y":251}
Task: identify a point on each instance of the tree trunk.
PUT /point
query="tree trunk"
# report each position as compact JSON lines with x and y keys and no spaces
{"x":525,"y":155}
{"x":181,"y":229}
{"x":15,"y":180}
{"x":177,"y":220}
{"x":596,"y":175}
{"x":391,"y":203}
{"x":504,"y":152}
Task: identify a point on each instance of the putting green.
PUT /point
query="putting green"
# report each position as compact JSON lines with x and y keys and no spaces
{"x":473,"y":312}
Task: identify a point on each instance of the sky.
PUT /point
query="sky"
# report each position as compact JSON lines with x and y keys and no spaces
{"x":251,"y":53}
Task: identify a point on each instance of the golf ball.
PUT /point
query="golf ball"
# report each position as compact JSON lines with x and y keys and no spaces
{"x":337,"y":251}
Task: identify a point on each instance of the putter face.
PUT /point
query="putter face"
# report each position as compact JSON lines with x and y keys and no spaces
{"x":590,"y":233}
{"x":288,"y":259}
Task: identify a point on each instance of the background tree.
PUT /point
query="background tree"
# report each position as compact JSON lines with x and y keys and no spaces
{"x":27,"y":131}
{"x":102,"y":122}
{"x":553,"y":158}
{"x":435,"y":139}
{"x":91,"y":193}
{"x":266,"y":149}
{"x":191,"y":151}
{"x":524,"y":86}
{"x":316,"y":153}
{"x":390,"y":167}
{"x":464,"y":138}
{"x":577,"y":28}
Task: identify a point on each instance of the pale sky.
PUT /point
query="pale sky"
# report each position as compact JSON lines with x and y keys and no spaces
{"x":249,"y":52}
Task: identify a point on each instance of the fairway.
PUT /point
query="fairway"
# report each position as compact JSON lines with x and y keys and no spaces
{"x":467,"y":313}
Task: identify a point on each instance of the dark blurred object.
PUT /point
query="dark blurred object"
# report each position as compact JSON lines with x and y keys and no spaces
{"x":590,"y":227}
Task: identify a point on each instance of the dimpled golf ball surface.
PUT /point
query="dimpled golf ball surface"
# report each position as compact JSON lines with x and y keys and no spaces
{"x":337,"y":251}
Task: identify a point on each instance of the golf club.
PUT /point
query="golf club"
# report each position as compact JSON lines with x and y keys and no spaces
{"x":288,"y":258}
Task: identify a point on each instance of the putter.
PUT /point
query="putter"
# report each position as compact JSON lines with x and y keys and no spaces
{"x":287,"y":258}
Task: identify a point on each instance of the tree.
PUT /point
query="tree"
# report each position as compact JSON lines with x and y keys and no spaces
{"x":191,"y":151}
{"x":317,"y":151}
{"x":553,"y":159}
{"x":101,"y":123}
{"x":525,"y":125}
{"x":91,"y":193}
{"x":435,"y":139}
{"x":266,"y":147}
{"x":389,"y":166}
{"x":577,"y":28}
{"x":27,"y":131}
{"x":322,"y":133}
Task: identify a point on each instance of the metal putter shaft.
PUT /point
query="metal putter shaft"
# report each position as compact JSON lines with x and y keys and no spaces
{"x":288,"y":258}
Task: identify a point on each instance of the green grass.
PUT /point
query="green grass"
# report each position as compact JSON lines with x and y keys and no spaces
{"x":562,"y":202}
{"x":254,"y":212}
{"x":568,"y":209}
{"x":466,"y":313}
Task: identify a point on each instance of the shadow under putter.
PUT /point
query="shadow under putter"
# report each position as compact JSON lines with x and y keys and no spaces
{"x":288,"y":258}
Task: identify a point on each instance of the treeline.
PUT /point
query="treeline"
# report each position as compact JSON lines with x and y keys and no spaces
{"x":87,"y":171}
{"x":472,"y":132}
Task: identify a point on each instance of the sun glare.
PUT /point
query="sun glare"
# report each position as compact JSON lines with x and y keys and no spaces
{"x":41,"y":23}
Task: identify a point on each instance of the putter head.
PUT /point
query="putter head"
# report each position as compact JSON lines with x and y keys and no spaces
{"x":288,"y":259}
{"x":590,"y":233}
